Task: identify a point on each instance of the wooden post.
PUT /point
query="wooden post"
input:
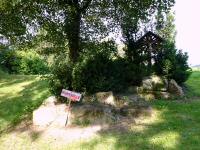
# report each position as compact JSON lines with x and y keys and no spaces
{"x":72,"y":96}
{"x":68,"y":111}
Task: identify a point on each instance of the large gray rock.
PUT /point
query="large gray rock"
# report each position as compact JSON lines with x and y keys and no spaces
{"x":50,"y":113}
{"x":174,"y":88}
{"x":106,"y":98}
{"x":95,"y":113}
{"x":51,"y":101}
{"x":163,"y":95}
{"x":44,"y":116}
{"x":153,"y":83}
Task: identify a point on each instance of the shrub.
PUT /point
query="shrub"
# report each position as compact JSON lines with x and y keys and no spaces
{"x":172,"y":63}
{"x":61,"y":75}
{"x":182,"y":70}
{"x":99,"y":73}
{"x":95,"y":70}
{"x":23,"y":62}
{"x":98,"y":69}
{"x":92,"y":74}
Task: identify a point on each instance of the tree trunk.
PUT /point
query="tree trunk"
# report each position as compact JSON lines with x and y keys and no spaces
{"x":73,"y":35}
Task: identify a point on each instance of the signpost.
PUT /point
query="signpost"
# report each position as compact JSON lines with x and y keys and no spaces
{"x":72,"y":96}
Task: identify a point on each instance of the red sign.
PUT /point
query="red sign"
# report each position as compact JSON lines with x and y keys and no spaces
{"x":71,"y":95}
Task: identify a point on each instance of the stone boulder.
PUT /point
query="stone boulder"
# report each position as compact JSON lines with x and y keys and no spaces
{"x":174,"y":88}
{"x":106,"y":98}
{"x":153,"y":87}
{"x":153,"y":83}
{"x":50,"y":113}
{"x":44,"y":116}
{"x":94,"y":113}
{"x":163,"y":95}
{"x":147,"y":96}
{"x":51,"y":101}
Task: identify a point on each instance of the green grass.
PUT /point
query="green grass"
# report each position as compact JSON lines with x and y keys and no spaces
{"x":19,"y":96}
{"x":193,"y":84}
{"x":174,"y":126}
{"x":177,"y":126}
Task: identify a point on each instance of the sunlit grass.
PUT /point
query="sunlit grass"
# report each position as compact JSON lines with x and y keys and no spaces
{"x":19,"y":96}
{"x":194,"y":84}
{"x":174,"y":125}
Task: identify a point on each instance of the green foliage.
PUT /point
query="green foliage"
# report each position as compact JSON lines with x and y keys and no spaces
{"x":93,"y":72}
{"x":72,"y":21}
{"x":182,"y":70}
{"x":61,"y":75}
{"x":99,"y":73}
{"x":98,"y":69}
{"x":23,"y":62}
{"x":88,"y":75}
{"x":172,"y":63}
{"x":135,"y":63}
{"x":166,"y":27}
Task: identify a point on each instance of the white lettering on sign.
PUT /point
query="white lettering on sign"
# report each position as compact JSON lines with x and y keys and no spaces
{"x":71,"y":95}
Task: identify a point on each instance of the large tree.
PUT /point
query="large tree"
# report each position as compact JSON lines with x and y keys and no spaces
{"x":74,"y":21}
{"x":166,"y":27}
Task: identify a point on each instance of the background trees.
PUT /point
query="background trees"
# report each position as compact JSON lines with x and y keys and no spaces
{"x":72,"y":33}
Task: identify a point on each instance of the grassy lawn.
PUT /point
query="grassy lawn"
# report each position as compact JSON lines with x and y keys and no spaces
{"x":174,"y":126}
{"x":194,"y":84}
{"x":19,"y":96}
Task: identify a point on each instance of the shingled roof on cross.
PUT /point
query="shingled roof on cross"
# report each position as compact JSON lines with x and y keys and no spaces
{"x":150,"y":36}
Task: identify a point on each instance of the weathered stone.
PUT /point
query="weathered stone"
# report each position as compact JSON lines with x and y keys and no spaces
{"x":162,"y":95}
{"x":174,"y":88}
{"x":49,"y":113}
{"x":50,"y":101}
{"x":61,"y":115}
{"x":148,"y":96}
{"x":44,"y":116}
{"x":106,"y":98}
{"x":153,"y":83}
{"x":94,"y":113}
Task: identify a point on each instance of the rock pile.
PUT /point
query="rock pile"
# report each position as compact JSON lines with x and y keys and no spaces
{"x":155,"y":87}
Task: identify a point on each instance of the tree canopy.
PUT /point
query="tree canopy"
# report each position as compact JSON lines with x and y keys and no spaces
{"x":75,"y":21}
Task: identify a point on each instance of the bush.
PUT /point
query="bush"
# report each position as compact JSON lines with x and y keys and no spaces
{"x":98,"y":69}
{"x":172,"y":63}
{"x":23,"y":62}
{"x":61,"y":75}
{"x":99,"y":73}
{"x":182,"y":70}
{"x":92,"y":74}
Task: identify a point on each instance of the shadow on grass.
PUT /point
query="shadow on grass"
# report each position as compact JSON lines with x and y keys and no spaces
{"x":15,"y":108}
{"x":9,"y":80}
{"x":178,"y":128}
{"x":193,"y":84}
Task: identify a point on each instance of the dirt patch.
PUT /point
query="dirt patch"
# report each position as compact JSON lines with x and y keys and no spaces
{"x":26,"y":135}
{"x":102,"y":118}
